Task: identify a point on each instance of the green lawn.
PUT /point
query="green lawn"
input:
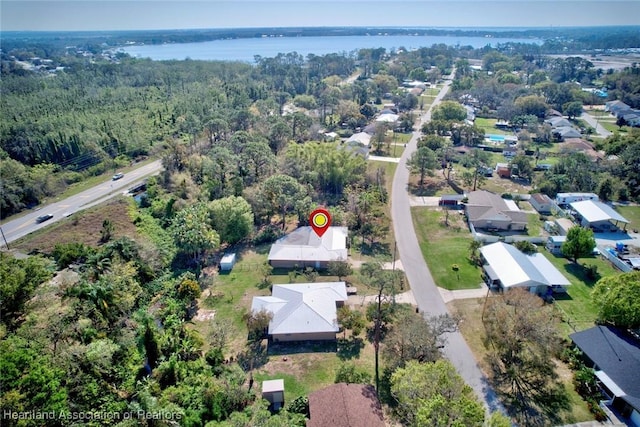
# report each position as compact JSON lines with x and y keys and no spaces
{"x":534,"y":225}
{"x":631,"y":213}
{"x":577,"y":306}
{"x":444,"y":246}
{"x":613,"y":127}
{"x":488,"y":125}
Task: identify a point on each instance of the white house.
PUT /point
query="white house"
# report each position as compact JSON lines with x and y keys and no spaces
{"x":554,"y":244}
{"x":567,"y":198}
{"x":303,"y":248}
{"x":506,"y":267}
{"x":361,"y":138}
{"x":303,"y":311}
{"x":598,"y":216}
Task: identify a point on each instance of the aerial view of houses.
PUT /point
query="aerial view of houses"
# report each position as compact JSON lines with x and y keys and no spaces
{"x":240,"y":227}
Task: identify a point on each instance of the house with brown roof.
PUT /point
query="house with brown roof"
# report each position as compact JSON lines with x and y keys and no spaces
{"x":345,"y":405}
{"x":489,"y":211}
{"x":541,"y":202}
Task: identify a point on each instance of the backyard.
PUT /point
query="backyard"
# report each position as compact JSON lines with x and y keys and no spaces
{"x":303,"y":366}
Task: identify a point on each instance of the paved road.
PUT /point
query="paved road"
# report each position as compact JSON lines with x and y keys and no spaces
{"x":25,"y":224}
{"x":424,"y":289}
{"x":600,"y":130}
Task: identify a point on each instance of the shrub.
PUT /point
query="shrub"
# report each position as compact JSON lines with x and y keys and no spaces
{"x":268,"y":234}
{"x":299,"y":405}
{"x":65,"y":254}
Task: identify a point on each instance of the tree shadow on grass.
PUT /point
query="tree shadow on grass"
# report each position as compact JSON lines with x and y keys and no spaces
{"x":536,"y":402}
{"x":426,"y":190}
{"x":296,"y":347}
{"x":375,"y":249}
{"x":254,"y":356}
{"x":583,"y":272}
{"x":349,"y":348}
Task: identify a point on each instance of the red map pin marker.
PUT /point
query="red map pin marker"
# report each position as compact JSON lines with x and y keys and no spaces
{"x":320,"y":220}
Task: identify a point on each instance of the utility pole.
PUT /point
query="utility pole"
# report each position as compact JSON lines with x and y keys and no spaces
{"x":4,"y":238}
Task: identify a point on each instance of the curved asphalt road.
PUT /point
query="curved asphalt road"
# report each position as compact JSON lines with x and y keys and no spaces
{"x":25,"y":224}
{"x":424,"y":289}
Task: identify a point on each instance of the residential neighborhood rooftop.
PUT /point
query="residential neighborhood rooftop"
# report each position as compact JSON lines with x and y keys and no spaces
{"x":617,"y":355}
{"x":302,"y":308}
{"x":345,"y":405}
{"x":303,"y":244}
{"x":594,"y":211}
{"x":514,"y":268}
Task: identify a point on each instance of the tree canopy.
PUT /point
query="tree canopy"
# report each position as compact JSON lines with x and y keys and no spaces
{"x":434,"y":394}
{"x":618,"y":299}
{"x":579,"y":243}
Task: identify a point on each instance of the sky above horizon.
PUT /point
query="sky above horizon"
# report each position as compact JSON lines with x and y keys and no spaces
{"x":78,"y":15}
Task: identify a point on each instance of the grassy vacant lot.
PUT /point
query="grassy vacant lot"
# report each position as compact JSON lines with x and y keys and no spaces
{"x":383,"y":251}
{"x":443,"y":246}
{"x":631,"y":213}
{"x":534,"y":225}
{"x":474,"y":334}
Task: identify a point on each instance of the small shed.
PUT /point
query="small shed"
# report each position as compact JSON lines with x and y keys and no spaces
{"x":554,"y":244}
{"x":273,"y":392}
{"x":564,"y":224}
{"x":227,"y":262}
{"x":541,"y":202}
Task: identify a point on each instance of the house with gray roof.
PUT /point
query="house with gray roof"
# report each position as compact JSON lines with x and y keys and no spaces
{"x":564,"y":132}
{"x":304,"y":248}
{"x":506,"y":267}
{"x":617,"y":107}
{"x":387,"y":118}
{"x":362,"y":138}
{"x":598,"y":216}
{"x":614,"y":354}
{"x":557,"y":121}
{"x":303,"y":311}
{"x":488,"y":210}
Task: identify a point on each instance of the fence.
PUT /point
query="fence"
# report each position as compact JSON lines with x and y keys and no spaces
{"x":621,"y":265}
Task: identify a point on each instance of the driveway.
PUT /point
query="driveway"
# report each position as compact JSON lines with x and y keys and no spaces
{"x":425,"y":291}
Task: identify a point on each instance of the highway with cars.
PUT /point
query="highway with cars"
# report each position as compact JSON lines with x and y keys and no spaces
{"x":32,"y":220}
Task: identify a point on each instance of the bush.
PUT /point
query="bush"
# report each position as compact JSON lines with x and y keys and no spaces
{"x":507,"y":196}
{"x":65,"y":254}
{"x":299,"y":405}
{"x":268,"y":234}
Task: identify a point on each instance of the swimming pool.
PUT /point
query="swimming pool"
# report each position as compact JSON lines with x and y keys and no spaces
{"x":495,"y":138}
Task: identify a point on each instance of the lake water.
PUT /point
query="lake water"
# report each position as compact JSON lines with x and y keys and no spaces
{"x":245,"y":49}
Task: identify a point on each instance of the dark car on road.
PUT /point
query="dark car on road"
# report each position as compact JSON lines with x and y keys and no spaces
{"x":43,"y":218}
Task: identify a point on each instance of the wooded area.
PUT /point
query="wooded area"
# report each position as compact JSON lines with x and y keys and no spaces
{"x":245,"y":159}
